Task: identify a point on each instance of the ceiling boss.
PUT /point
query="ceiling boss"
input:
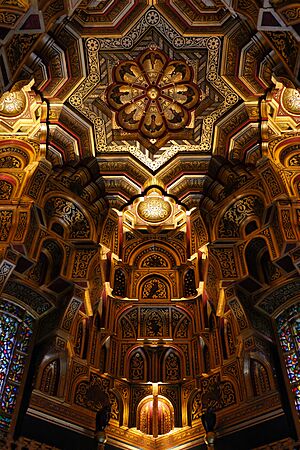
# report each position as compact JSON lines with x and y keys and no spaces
{"x":153,"y":95}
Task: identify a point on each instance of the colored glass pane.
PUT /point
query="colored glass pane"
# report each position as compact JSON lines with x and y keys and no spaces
{"x":9,"y":398}
{"x":296,"y":392}
{"x":289,"y":335}
{"x":4,"y":421}
{"x":286,"y":340}
{"x":296,"y":332}
{"x":23,"y":341}
{"x":8,"y":329}
{"x":17,"y":367}
{"x":292,"y":366}
{"x":15,"y":335}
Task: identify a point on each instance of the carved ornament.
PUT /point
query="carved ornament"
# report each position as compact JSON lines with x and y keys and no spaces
{"x":153,"y":95}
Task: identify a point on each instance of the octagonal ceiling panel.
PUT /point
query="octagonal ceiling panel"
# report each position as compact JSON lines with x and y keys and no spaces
{"x":112,"y":136}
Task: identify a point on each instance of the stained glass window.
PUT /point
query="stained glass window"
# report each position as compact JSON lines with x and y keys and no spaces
{"x":289,"y":335}
{"x":16,"y":328}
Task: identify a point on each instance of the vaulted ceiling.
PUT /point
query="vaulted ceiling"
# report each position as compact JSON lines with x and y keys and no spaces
{"x":78,"y":51}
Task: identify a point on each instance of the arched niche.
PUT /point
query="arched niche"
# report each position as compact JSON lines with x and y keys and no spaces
{"x":103,"y":359}
{"x":182,"y":324}
{"x":211,"y":346}
{"x":199,"y":233}
{"x":260,"y":378}
{"x":228,"y":338}
{"x":288,"y":153}
{"x":137,"y":365}
{"x":155,"y":323}
{"x":172,"y":366}
{"x":205,"y":356}
{"x":155,"y":416}
{"x":258,"y":372}
{"x":81,"y":337}
{"x":69,"y":218}
{"x":258,"y":261}
{"x":96,"y":279}
{"x":108,"y":233}
{"x":189,"y":283}
{"x":213,"y":276}
{"x":50,"y":261}
{"x":119,"y":286}
{"x":91,"y":393}
{"x":285,"y":152}
{"x":215,"y":392}
{"x":194,"y":407}
{"x":50,"y":377}
{"x":245,"y":209}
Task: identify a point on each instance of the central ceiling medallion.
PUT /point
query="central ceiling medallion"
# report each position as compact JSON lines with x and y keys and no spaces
{"x":12,"y":103}
{"x":291,"y":100}
{"x":153,"y":96}
{"x":154,"y":210}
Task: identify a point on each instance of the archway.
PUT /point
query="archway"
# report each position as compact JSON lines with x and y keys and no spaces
{"x":155,"y":415}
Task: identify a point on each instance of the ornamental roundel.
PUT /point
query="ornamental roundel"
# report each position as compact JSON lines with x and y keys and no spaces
{"x":291,"y":101}
{"x":153,"y":95}
{"x":154,"y":210}
{"x":12,"y":103}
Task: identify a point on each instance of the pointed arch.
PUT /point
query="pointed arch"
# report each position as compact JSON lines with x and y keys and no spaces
{"x":81,"y":338}
{"x":160,"y":410}
{"x":76,"y":223}
{"x":189,"y":283}
{"x":259,"y":377}
{"x":172,"y":366}
{"x":250,"y":207}
{"x":258,"y":261}
{"x":119,"y":286}
{"x":137,"y":365}
{"x":50,"y":378}
{"x":52,"y":373}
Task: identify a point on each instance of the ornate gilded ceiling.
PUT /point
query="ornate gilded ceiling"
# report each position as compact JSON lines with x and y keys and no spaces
{"x":125,"y":115}
{"x":148,"y":87}
{"x":199,"y":58}
{"x":154,"y":93}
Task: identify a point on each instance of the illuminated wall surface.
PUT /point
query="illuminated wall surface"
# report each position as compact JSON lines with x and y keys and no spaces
{"x":149,"y":225}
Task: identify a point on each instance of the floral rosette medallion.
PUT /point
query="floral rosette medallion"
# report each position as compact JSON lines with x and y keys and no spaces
{"x":153,"y":95}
